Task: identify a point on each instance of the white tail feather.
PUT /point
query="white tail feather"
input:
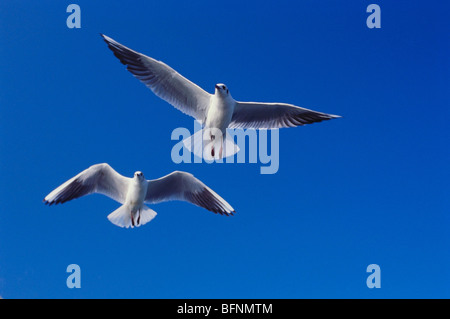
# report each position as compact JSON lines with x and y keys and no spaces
{"x":122,"y":216}
{"x":147,"y":214}
{"x":201,"y":145}
{"x":194,"y":143}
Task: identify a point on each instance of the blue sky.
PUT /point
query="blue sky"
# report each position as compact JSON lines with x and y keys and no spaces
{"x":372,"y":187}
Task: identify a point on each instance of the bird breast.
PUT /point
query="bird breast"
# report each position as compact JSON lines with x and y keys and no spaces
{"x":220,"y":113}
{"x":136,"y":193}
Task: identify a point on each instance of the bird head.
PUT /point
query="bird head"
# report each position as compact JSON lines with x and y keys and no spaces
{"x":139,"y":175}
{"x":222,"y":89}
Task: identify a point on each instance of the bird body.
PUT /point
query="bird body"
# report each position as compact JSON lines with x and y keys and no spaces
{"x":220,"y":110}
{"x":134,"y":193}
{"x":137,"y":189}
{"x":134,"y":202}
{"x":215,"y":111}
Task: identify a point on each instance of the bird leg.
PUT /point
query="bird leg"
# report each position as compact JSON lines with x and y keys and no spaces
{"x":139,"y":217}
{"x":213,"y":137}
{"x":132,"y":219}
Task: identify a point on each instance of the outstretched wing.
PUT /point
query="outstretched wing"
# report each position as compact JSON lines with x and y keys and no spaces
{"x":184,"y":186}
{"x":100,"y":178}
{"x":164,"y":81}
{"x":274,"y":115}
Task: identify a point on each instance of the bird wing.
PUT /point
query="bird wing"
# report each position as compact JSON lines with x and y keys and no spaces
{"x":100,"y":178}
{"x":184,"y":186}
{"x":273,"y":115}
{"x":164,"y":81}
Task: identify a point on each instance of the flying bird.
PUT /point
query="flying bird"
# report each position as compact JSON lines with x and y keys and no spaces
{"x":132,"y":193}
{"x":217,"y":111}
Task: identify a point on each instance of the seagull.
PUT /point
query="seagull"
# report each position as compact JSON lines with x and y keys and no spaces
{"x":132,"y":193}
{"x":216,"y":112}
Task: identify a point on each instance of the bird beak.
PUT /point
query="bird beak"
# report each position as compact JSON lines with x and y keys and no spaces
{"x":217,"y":87}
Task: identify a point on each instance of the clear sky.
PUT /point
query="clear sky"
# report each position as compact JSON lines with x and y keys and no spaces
{"x":369,"y":188}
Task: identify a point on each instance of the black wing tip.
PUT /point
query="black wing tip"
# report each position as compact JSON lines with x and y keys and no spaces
{"x":222,"y":211}
{"x":110,"y":42}
{"x":206,"y":200}
{"x":325,"y":117}
{"x":231,"y":213}
{"x":49,"y":203}
{"x":125,"y":55}
{"x":304,"y":119}
{"x":106,"y":39}
{"x":56,"y":201}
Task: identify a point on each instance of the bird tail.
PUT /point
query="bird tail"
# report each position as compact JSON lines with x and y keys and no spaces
{"x":123,"y":216}
{"x":194,"y":143}
{"x":204,"y":146}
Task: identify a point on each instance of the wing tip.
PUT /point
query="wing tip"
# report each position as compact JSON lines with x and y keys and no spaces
{"x":48,"y":202}
{"x":218,"y":205}
{"x":224,"y":210}
{"x":106,"y":38}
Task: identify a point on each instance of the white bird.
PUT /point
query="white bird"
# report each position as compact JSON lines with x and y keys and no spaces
{"x":132,"y":193}
{"x":217,"y":111}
